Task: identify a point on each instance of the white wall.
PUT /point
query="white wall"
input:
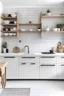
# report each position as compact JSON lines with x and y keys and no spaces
{"x":33,"y":39}
{"x":30,"y":2}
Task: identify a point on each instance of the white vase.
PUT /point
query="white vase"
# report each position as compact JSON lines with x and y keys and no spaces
{"x":4,"y":50}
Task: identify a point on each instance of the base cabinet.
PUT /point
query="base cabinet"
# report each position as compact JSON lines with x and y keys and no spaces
{"x":48,"y":72}
{"x":12,"y":67}
{"x":61,"y":67}
{"x":61,"y":71}
{"x":28,"y":70}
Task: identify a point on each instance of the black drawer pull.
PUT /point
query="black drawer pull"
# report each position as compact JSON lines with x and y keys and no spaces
{"x":9,"y":57}
{"x":62,"y":65}
{"x":32,"y":63}
{"x":47,"y":57}
{"x":28,"y":57}
{"x":62,"y":57}
{"x":47,"y":65}
{"x":23,"y":63}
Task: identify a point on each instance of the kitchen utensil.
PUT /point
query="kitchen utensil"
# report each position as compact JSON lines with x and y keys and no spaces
{"x":16,"y":49}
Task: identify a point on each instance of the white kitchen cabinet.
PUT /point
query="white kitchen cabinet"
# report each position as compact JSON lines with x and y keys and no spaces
{"x":29,"y":59}
{"x":1,"y":59}
{"x":28,"y":68}
{"x":48,"y":71}
{"x":48,"y":68}
{"x":61,"y":71}
{"x":60,"y":67}
{"x":48,"y":60}
{"x":12,"y":67}
{"x":28,"y":71}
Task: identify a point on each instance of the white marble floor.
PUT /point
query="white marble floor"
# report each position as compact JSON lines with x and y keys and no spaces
{"x":39,"y":88}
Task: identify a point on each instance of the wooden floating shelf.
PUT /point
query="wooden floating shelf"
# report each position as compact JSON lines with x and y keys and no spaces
{"x":53,"y":16}
{"x":8,"y":31}
{"x":29,"y":24}
{"x":9,"y":17}
{"x":29,"y":31}
{"x":53,"y":31}
{"x":9,"y":36}
{"x":9,"y":24}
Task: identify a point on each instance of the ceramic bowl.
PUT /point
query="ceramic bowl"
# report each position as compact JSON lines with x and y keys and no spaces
{"x":22,"y":29}
{"x":6,"y":34}
{"x":10,"y":34}
{"x":31,"y":29}
{"x":6,"y":22}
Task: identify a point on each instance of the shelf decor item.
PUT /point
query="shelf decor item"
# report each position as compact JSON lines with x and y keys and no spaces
{"x":47,"y":28}
{"x":48,"y":12}
{"x":61,"y":26}
{"x":4,"y":47}
{"x":60,"y":48}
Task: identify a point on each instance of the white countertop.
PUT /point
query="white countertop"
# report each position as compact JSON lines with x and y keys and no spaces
{"x":31,"y":54}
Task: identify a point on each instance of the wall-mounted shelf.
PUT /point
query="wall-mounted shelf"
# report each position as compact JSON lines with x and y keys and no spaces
{"x":9,"y":24}
{"x":53,"y":31}
{"x":29,"y":24}
{"x":7,"y":18}
{"x":8,"y":31}
{"x":29,"y":31}
{"x":8,"y":36}
{"x":52,"y":16}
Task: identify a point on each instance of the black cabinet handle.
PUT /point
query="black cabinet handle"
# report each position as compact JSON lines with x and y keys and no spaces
{"x":62,"y":65}
{"x":32,"y":63}
{"x":62,"y":57}
{"x":47,"y":65}
{"x":23,"y":63}
{"x":48,"y":57}
{"x":28,"y":57}
{"x":9,"y":57}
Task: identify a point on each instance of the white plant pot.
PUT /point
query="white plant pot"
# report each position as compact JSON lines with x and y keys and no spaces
{"x":4,"y":50}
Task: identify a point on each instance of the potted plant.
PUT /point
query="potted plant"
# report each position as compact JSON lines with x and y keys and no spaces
{"x":4,"y":47}
{"x":61,"y":26}
{"x":48,"y":12}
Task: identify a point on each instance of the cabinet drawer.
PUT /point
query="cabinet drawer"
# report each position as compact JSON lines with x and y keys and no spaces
{"x":28,"y":59}
{"x":48,"y":60}
{"x":61,"y":59}
{"x":28,"y":70}
{"x":48,"y":72}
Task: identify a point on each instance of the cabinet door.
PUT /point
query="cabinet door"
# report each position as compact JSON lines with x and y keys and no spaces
{"x":12,"y":67}
{"x":34,"y":70}
{"x":47,"y":71}
{"x":23,"y":70}
{"x":61,"y":71}
{"x":60,"y":67}
{"x":1,"y":59}
{"x":28,"y":71}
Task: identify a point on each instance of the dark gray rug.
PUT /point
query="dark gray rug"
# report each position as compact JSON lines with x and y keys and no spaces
{"x":15,"y":92}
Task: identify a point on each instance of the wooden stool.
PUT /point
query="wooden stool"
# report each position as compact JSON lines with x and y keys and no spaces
{"x":3,"y":73}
